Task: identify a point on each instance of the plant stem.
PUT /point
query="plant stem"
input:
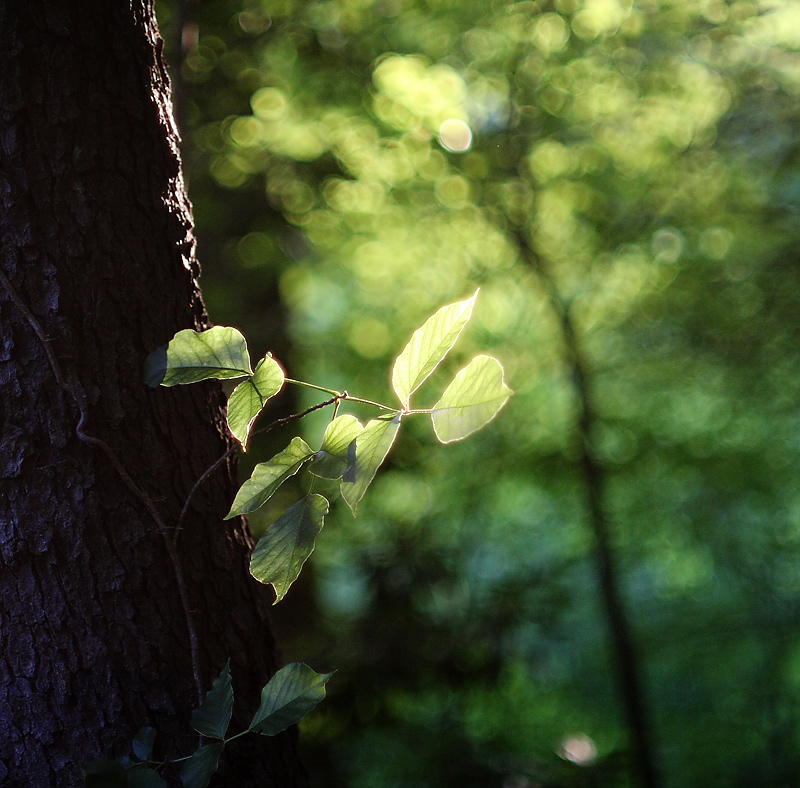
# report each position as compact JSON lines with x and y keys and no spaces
{"x":335,"y":393}
{"x":348,"y":398}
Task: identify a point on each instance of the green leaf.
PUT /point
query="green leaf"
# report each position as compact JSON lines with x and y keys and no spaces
{"x":219,"y":352}
{"x":365,"y":455}
{"x":141,"y":776}
{"x":198,"y":770}
{"x":214,"y":714}
{"x":428,"y":346}
{"x":288,"y":542}
{"x":471,"y":401}
{"x":143,"y":742}
{"x":268,"y":476}
{"x":104,"y":774}
{"x":290,"y":694}
{"x":330,"y":461}
{"x":248,"y":398}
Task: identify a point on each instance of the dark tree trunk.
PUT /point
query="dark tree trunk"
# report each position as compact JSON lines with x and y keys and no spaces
{"x":97,"y":259}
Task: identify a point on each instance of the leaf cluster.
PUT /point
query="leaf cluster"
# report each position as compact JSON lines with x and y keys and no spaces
{"x":350,"y":452}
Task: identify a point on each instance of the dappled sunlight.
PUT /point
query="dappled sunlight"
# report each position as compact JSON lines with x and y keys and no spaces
{"x":629,"y":168}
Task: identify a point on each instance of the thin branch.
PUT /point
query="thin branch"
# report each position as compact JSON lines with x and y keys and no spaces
{"x":594,"y":478}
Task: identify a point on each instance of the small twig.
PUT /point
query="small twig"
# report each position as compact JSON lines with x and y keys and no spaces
{"x":78,"y":395}
{"x":273,"y":425}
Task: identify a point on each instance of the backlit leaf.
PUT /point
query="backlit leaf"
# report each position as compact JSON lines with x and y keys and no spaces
{"x":428,"y":346}
{"x":249,"y":397}
{"x":214,"y":714}
{"x":472,"y":400}
{"x":330,"y":461}
{"x":199,"y":769}
{"x":191,"y":356}
{"x":288,"y":542}
{"x":268,"y":476}
{"x":365,"y":455}
{"x":290,"y":694}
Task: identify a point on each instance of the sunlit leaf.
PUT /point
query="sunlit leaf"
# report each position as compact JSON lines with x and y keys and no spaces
{"x":143,"y":742}
{"x":199,"y":769}
{"x":268,"y":476}
{"x":290,"y":694}
{"x":219,"y":352}
{"x":214,"y":714}
{"x":428,"y":346}
{"x":330,"y":461}
{"x":472,"y":400}
{"x":249,"y":397}
{"x":288,"y":542}
{"x":365,"y":455}
{"x":141,"y":776}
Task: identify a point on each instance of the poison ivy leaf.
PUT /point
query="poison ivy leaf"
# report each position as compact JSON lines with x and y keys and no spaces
{"x":365,"y":455}
{"x":428,"y":346}
{"x":289,"y":541}
{"x":104,"y":774}
{"x":143,"y":742}
{"x":268,"y":476}
{"x":290,"y":694}
{"x":219,"y":352}
{"x":199,"y":769}
{"x":141,"y":776}
{"x":214,"y":714}
{"x":472,"y":400}
{"x":330,"y":461}
{"x":249,"y":397}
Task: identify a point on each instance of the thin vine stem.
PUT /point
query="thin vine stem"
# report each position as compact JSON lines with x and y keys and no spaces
{"x":78,"y":395}
{"x":271,"y":426}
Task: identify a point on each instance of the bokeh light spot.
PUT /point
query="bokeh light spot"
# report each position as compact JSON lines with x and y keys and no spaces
{"x":455,"y":135}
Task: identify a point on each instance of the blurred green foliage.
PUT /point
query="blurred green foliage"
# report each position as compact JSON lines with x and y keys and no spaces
{"x":637,"y":161}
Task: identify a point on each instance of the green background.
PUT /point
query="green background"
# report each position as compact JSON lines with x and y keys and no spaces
{"x":633,"y":163}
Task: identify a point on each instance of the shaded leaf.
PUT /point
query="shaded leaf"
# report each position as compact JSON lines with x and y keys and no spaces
{"x":104,"y":774}
{"x":214,"y":714}
{"x":288,"y":542}
{"x":141,"y":776}
{"x":365,"y":455}
{"x":330,"y":461}
{"x":249,"y":397}
{"x":143,"y":742}
{"x":290,"y":694}
{"x":199,"y":769}
{"x":428,"y":346}
{"x":268,"y":476}
{"x":472,"y":400}
{"x":191,"y":356}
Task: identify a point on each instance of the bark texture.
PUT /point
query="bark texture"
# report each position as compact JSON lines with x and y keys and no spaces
{"x":96,"y":242}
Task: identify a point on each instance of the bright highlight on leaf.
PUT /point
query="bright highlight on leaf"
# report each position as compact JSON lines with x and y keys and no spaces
{"x":330,"y":461}
{"x":289,"y":541}
{"x":471,"y":401}
{"x":191,"y":356}
{"x":428,"y":346}
{"x":248,"y":398}
{"x":268,"y":476}
{"x":199,"y":769}
{"x":290,"y":694}
{"x":365,"y":455}
{"x":214,"y":714}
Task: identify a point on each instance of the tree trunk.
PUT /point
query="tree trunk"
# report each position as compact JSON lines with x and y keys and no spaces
{"x":97,"y":268}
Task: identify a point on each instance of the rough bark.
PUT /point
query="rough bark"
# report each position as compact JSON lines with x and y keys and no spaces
{"x":96,"y":242}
